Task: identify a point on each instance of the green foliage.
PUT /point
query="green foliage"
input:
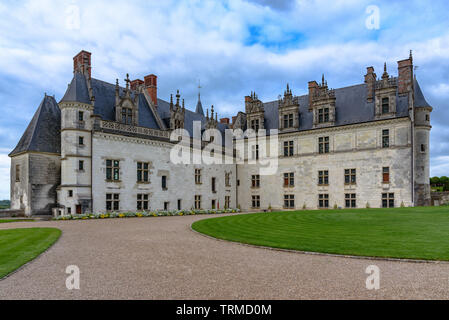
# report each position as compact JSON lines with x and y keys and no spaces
{"x":442,"y":183}
{"x":5,"y":204}
{"x":415,"y":233}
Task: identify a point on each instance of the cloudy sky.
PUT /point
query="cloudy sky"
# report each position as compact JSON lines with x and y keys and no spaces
{"x":233,"y":47}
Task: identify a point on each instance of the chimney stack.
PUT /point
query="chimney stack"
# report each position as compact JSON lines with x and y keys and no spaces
{"x":313,"y":87}
{"x":224,"y":120}
{"x":405,"y":75}
{"x":370,"y":80}
{"x":151,"y":86}
{"x":82,"y":63}
{"x":135,"y":84}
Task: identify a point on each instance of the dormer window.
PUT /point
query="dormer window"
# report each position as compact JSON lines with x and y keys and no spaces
{"x":323,"y":115}
{"x":255,"y":124}
{"x":385,"y":105}
{"x":127,"y":116}
{"x":288,"y":120}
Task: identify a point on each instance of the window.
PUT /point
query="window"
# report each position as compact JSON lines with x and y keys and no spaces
{"x":227,"y":179}
{"x":323,"y":115}
{"x":112,"y":202}
{"x":255,"y":202}
{"x":164,"y":182}
{"x":17,"y":172}
{"x":288,"y":148}
{"x":255,"y":124}
{"x":385,"y":105}
{"x":70,"y":193}
{"x":387,"y":200}
{"x":80,"y":116}
{"x":81,"y":165}
{"x":142,"y":201}
{"x":323,"y":177}
{"x":385,"y":138}
{"x":227,"y":202}
{"x":81,"y":141}
{"x":427,"y":117}
{"x":112,"y":170}
{"x":323,"y":145}
{"x":350,"y":200}
{"x":166,"y":206}
{"x":255,"y":181}
{"x":143,"y":171}
{"x":214,"y":180}
{"x":288,"y":120}
{"x":69,"y":210}
{"x":423,"y":148}
{"x":350,"y":176}
{"x":197,"y":176}
{"x":213,"y":204}
{"x":197,"y":202}
{"x":255,"y":152}
{"x":323,"y":200}
{"x":386,"y":174}
{"x":127,"y":115}
{"x":289,"y":179}
{"x":289,"y":201}
{"x":179,"y":204}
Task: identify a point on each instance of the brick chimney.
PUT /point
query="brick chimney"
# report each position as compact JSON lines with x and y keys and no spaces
{"x":151,"y":86}
{"x":313,"y":87}
{"x":370,"y":80}
{"x":405,"y":75}
{"x":224,"y":120}
{"x":135,"y":84}
{"x":82,"y":63}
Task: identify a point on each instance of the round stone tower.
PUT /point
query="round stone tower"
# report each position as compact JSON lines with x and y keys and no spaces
{"x":422,"y":149}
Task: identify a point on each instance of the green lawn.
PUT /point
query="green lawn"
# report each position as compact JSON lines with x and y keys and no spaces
{"x":416,"y":233}
{"x":19,"y":246}
{"x":15,"y":220}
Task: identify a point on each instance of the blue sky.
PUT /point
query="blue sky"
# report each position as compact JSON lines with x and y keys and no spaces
{"x":234,"y":47}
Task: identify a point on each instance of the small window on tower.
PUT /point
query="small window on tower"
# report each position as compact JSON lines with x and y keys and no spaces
{"x":423,"y":148}
{"x":17,"y":172}
{"x":80,"y":116}
{"x":385,"y":105}
{"x":81,"y":141}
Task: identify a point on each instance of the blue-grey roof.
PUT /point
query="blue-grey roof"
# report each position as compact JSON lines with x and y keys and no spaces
{"x":43,"y":133}
{"x":420,"y":101}
{"x":77,"y":90}
{"x":351,"y":106}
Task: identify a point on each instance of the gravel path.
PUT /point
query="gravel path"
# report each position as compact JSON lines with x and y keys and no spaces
{"x":161,"y":258}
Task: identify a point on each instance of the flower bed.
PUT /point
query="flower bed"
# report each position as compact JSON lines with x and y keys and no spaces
{"x":143,"y":214}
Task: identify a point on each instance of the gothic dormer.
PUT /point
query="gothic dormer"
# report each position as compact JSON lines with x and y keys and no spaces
{"x":126,"y":110}
{"x":211,"y":123}
{"x":322,"y":104}
{"x":255,"y":112}
{"x":288,"y":111}
{"x":177,"y":113}
{"x":385,"y":95}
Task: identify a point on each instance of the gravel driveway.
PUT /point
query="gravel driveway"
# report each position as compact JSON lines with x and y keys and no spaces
{"x":161,"y":258}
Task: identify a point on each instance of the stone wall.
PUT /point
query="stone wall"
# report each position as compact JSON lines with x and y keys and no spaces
{"x":352,"y":147}
{"x":440,"y":198}
{"x":180,"y":177}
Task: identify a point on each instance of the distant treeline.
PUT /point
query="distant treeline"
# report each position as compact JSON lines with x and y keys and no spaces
{"x":439,"y":183}
{"x":5,"y":204}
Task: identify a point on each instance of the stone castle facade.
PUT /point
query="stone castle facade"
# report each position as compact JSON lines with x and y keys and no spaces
{"x":104,"y":147}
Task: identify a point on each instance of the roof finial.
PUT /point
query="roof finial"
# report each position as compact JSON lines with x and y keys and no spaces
{"x":411,"y":55}
{"x":385,"y":66}
{"x":183,"y":104}
{"x":127,"y":81}
{"x":199,"y":90}
{"x":322,"y":80}
{"x":177,"y":97}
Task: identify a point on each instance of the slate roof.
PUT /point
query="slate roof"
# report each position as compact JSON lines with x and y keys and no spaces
{"x":43,"y":133}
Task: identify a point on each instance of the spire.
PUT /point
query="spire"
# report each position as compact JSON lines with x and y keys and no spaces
{"x":177,"y":97}
{"x":385,"y":74}
{"x":199,"y":105}
{"x":322,"y":80}
{"x":212,"y":112}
